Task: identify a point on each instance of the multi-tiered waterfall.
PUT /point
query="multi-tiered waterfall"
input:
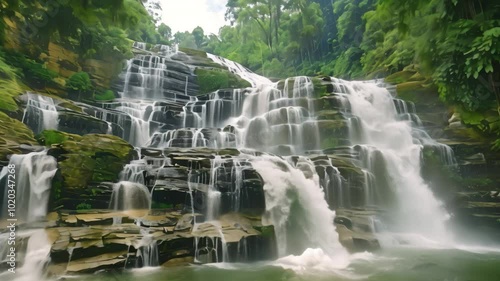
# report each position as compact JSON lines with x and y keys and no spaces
{"x":298,"y":154}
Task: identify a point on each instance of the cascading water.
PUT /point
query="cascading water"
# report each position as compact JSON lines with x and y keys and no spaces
{"x":387,"y":143}
{"x":296,"y":206}
{"x":33,"y":181}
{"x":278,"y":118}
{"x":36,"y":257}
{"x":130,"y":196}
{"x":40,"y":113}
{"x":147,"y":251}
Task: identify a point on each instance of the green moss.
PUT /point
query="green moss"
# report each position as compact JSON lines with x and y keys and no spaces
{"x":211,"y":80}
{"x":83,"y":206}
{"x":9,"y":86}
{"x":93,"y":158}
{"x":34,"y":73}
{"x":50,"y":137}
{"x":105,"y":96}
{"x":12,"y":134}
{"x":329,"y":142}
{"x":320,"y":89}
{"x":193,"y":52}
{"x":266,"y":231}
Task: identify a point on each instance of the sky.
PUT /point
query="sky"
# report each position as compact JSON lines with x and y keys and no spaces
{"x":185,"y":15}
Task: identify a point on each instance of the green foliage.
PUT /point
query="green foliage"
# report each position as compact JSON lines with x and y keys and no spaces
{"x":83,"y":206}
{"x":34,"y":73}
{"x":9,"y":86}
{"x":496,"y":145}
{"x":105,"y":96}
{"x":214,"y":79}
{"x":80,"y":84}
{"x":50,"y":137}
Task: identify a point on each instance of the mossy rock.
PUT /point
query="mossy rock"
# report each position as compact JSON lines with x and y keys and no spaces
{"x":193,"y":52}
{"x":50,"y":137}
{"x":10,"y":87}
{"x":88,"y":159}
{"x":335,"y":128}
{"x":12,"y":134}
{"x":211,"y":80}
{"x":266,"y":231}
{"x":321,"y":89}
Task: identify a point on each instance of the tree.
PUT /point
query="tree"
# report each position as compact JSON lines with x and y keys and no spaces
{"x":165,"y":31}
{"x":199,"y":36}
{"x":80,"y":84}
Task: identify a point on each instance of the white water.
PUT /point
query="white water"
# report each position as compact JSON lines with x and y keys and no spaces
{"x":147,"y":250}
{"x":33,"y":181}
{"x":417,"y":209}
{"x":130,"y":196}
{"x":296,"y":206}
{"x":40,"y":113}
{"x":36,"y":258}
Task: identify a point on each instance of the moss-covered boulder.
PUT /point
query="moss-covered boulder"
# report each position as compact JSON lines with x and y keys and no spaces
{"x":211,"y":80}
{"x":13,"y":133}
{"x":84,"y":162}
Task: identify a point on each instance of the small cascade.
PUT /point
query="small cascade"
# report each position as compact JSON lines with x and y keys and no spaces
{"x":332,"y":183}
{"x":243,"y":72}
{"x":389,"y":149}
{"x":147,"y":251}
{"x":134,"y":172}
{"x":33,"y":181}
{"x":129,"y":196}
{"x":213,"y":110}
{"x":40,"y":113}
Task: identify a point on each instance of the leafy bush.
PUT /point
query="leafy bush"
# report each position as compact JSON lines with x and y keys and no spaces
{"x":80,"y":84}
{"x":105,"y":96}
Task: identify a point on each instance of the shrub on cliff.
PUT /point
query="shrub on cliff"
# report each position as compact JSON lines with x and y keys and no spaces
{"x":79,"y":85}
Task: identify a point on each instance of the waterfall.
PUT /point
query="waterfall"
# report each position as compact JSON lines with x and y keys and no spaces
{"x":40,"y":113}
{"x":296,"y":206}
{"x":129,"y":196}
{"x":147,"y":251}
{"x":388,"y":144}
{"x":33,"y":181}
{"x":36,"y":257}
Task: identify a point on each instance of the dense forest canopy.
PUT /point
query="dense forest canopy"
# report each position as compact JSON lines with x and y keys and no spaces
{"x":453,"y":44}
